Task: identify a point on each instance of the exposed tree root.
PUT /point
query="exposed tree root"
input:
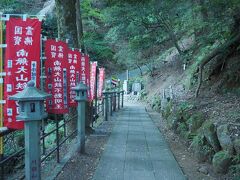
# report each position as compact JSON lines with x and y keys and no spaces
{"x":221,"y":52}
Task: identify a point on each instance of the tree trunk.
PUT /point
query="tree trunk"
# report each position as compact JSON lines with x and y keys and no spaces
{"x":66,"y":18}
{"x":79,"y":26}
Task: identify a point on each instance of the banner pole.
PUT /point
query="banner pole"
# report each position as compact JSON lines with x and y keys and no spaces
{"x":1,"y":86}
{"x":41,"y":60}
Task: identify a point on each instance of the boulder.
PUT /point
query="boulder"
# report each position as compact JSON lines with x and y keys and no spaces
{"x":195,"y":122}
{"x":209,"y":131}
{"x":221,"y":162}
{"x":202,"y":151}
{"x":224,"y":138}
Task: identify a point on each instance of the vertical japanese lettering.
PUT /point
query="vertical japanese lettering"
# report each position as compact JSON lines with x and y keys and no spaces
{"x":57,"y":76}
{"x":22,"y":63}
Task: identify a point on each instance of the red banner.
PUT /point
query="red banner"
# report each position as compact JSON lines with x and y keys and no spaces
{"x":93,"y":72}
{"x":22,"y":63}
{"x":74,"y":64}
{"x":57,"y":76}
{"x":85,"y":72}
{"x":101,"y":82}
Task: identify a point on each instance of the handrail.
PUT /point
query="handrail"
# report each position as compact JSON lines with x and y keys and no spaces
{"x":100,"y":110}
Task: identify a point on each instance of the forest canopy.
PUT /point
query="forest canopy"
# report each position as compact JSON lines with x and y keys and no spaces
{"x":132,"y":33}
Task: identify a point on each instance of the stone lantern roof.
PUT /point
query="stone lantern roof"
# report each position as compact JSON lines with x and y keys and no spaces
{"x":30,"y":93}
{"x":80,"y":87}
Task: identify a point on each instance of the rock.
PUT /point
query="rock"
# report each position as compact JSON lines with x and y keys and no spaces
{"x":221,"y":162}
{"x":209,"y":131}
{"x":203,"y":169}
{"x":224,"y":138}
{"x":202,"y":151}
{"x":236,"y":144}
{"x":195,"y":122}
{"x":48,"y":8}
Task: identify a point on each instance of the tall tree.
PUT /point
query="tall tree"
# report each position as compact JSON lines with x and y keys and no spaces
{"x":66,"y":17}
{"x":70,"y":27}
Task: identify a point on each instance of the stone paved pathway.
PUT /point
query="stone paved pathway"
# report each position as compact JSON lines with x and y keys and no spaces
{"x":137,"y":150}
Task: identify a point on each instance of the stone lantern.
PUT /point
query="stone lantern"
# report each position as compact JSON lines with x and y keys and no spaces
{"x":31,"y":103}
{"x":31,"y":111}
{"x":81,"y":92}
{"x":81,"y":98}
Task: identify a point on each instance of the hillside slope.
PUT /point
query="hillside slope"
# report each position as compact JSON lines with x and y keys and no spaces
{"x":208,"y":125}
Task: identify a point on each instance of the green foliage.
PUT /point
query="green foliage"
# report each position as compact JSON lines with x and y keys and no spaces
{"x":235,"y":170}
{"x":13,"y":142}
{"x":143,"y":95}
{"x":131,"y":33}
{"x":10,"y":6}
{"x":49,"y":27}
{"x":50,"y":140}
{"x":182,"y":129}
{"x":168,"y":110}
{"x":183,"y":109}
{"x":156,"y":103}
{"x":89,"y":11}
{"x":195,"y":121}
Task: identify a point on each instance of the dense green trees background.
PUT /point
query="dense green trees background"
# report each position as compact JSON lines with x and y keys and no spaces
{"x":124,"y":34}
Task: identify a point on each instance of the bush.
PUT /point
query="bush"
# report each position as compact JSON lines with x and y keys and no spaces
{"x":168,"y":110}
{"x":156,"y":103}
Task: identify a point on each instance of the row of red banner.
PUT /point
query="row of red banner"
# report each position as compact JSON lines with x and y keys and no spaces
{"x":64,"y":69}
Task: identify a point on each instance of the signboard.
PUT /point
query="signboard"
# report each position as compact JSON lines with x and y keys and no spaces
{"x":114,"y":82}
{"x":101,"y":82}
{"x":93,"y":72}
{"x":74,"y":64}
{"x":125,"y":86}
{"x":22,"y":63}
{"x":136,"y":87}
{"x":85,"y":73}
{"x":56,"y":67}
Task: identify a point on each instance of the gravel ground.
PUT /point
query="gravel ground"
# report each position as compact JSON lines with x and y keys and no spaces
{"x":82,"y":166}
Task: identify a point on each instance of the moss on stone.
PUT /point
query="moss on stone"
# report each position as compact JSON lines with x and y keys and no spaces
{"x":209,"y":131}
{"x":202,"y":150}
{"x":221,"y":162}
{"x":195,"y":122}
{"x":224,"y":137}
